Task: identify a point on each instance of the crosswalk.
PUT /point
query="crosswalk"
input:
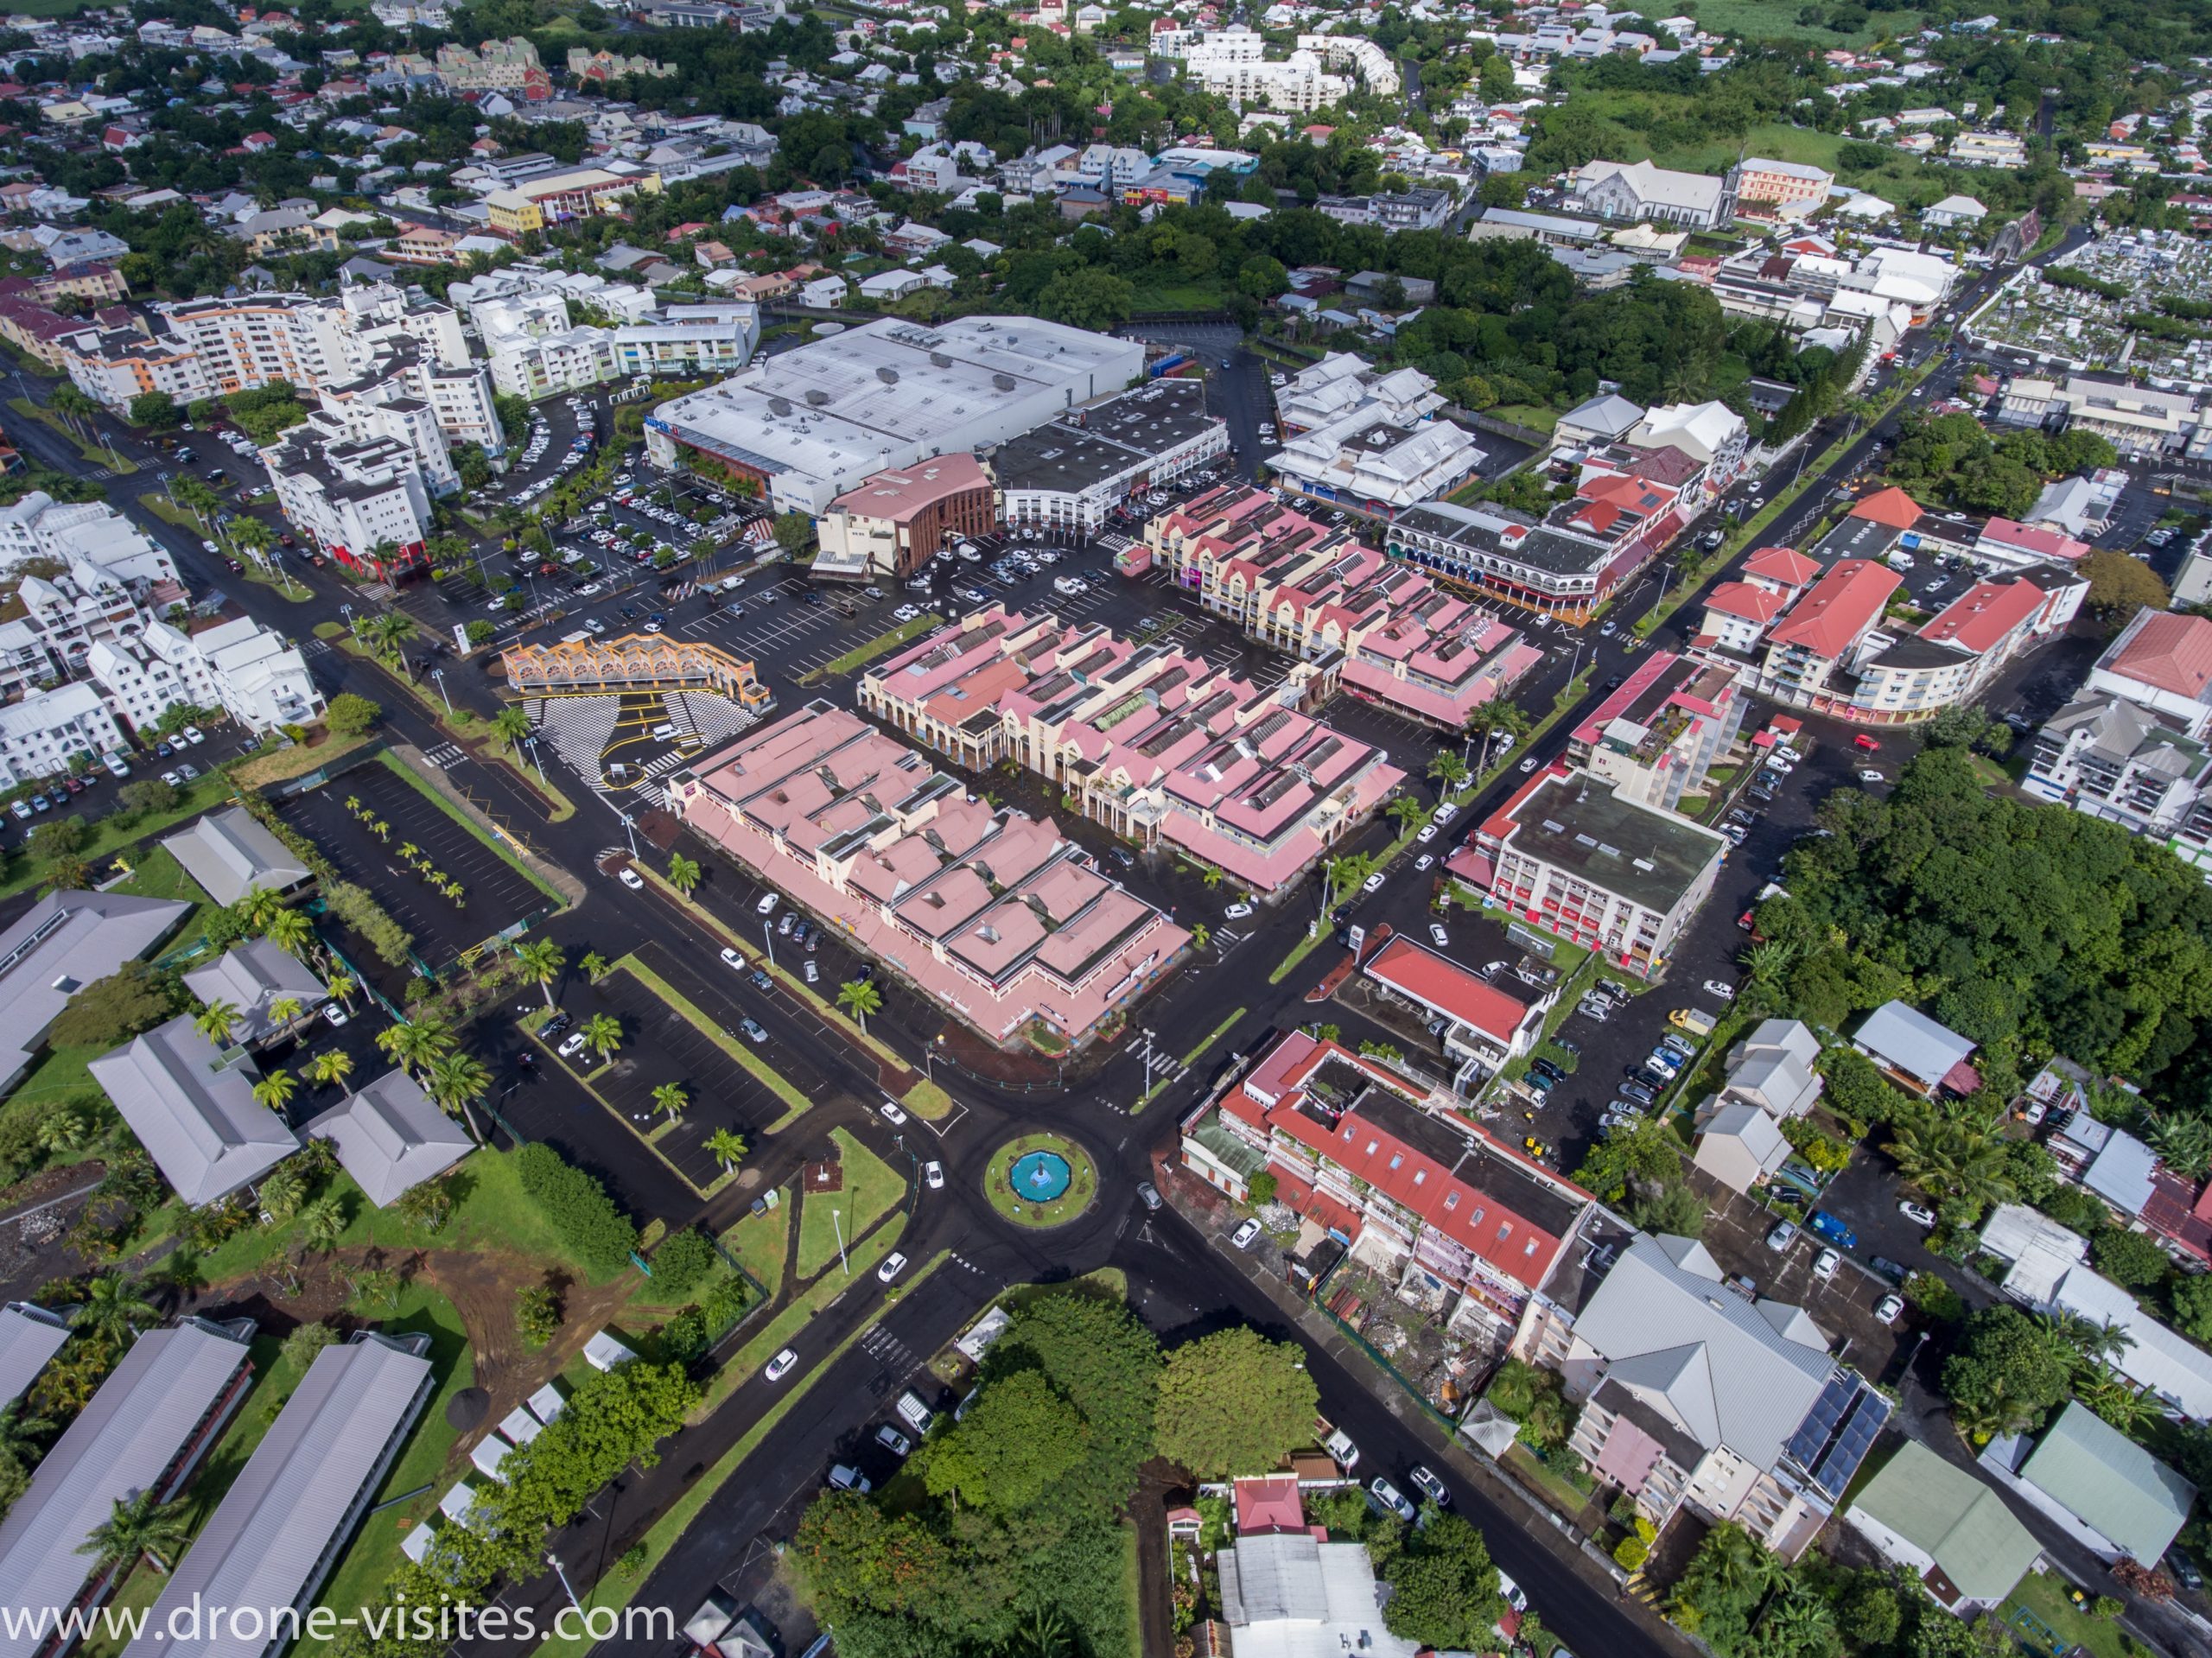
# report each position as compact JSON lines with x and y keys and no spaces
{"x":446,"y":756}
{"x":579,"y":728}
{"x":707,"y":717}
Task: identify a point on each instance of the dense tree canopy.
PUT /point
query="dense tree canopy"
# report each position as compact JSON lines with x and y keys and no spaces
{"x":1233,"y":1401}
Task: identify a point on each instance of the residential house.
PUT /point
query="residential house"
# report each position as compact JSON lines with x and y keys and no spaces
{"x":2109,"y":1494}
{"x":64,"y":942}
{"x":1915,"y":1052}
{"x":1949,"y":1529}
{"x":193,"y":1109}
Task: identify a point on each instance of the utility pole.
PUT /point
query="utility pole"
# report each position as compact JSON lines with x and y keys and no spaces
{"x":568,"y":1588}
{"x":768,"y":937}
{"x":838,"y":1220}
{"x":439,"y":674}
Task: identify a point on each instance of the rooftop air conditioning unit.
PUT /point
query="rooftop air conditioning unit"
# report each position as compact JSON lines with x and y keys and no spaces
{"x":780,"y":407}
{"x":1003,"y":381}
{"x":888,"y":374}
{"x":817,"y":398}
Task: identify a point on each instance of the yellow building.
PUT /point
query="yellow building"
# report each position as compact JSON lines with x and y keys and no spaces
{"x":559,"y":197}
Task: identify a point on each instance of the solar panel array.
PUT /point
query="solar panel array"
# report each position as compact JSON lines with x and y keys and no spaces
{"x":1838,"y":1432}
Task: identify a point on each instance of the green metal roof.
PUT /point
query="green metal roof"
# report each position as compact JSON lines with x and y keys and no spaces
{"x":2111,"y":1483}
{"x":1954,"y":1518}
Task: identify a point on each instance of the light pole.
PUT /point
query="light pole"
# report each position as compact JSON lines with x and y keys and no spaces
{"x":439,"y":674}
{"x":629,"y":828}
{"x":346,"y":611}
{"x":567,"y":1588}
{"x":530,"y":743}
{"x":769,"y":938}
{"x":838,"y":1220}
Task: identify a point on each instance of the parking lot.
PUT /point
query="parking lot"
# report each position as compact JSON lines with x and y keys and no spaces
{"x":493,"y":893}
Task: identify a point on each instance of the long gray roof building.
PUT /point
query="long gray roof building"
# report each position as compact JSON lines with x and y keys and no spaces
{"x":230,"y":854}
{"x":389,"y":1137}
{"x":29,"y":1336}
{"x":63,"y":943}
{"x":145,"y":1430}
{"x":279,"y":1529}
{"x":196,"y":1117}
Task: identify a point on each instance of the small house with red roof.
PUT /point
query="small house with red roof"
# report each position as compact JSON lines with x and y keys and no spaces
{"x":1427,"y":1195}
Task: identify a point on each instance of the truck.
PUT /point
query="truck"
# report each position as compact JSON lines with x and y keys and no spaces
{"x":1336,"y":1443}
{"x":1695,"y":1020}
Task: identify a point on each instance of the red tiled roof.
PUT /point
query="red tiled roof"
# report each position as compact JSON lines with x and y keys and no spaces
{"x":1268,"y":1504}
{"x":2173,"y":652}
{"x":1447,"y":988}
{"x":1783,"y":564}
{"x":1842,"y":605}
{"x":2031,"y":538}
{"x":1760,"y":605}
{"x":1980,"y":619}
{"x":1891,"y":506}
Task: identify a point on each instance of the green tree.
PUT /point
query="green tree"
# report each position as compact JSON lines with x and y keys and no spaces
{"x":216,"y":1021}
{"x":112,"y":1310}
{"x":2192,"y":1303}
{"x":457,"y":1081}
{"x":537,"y":1314}
{"x":727,"y":1146}
{"x":602,"y":1034}
{"x":304,"y":1343}
{"x":322,"y":1223}
{"x":2129,"y":1258}
{"x":2119,"y":586}
{"x":108,"y":1011}
{"x":540,"y":961}
{"x":1016,"y":1442}
{"x":1444,"y":1590}
{"x":672,"y":1099}
{"x":860,"y":998}
{"x":1723,"y":1586}
{"x":2007,"y":1371}
{"x":793,"y":530}
{"x":276,"y":1091}
{"x":143,"y":1524}
{"x":1087,"y":297}
{"x":510,"y":725}
{"x":154,"y":409}
{"x":682,"y":874}
{"x":351,"y":714}
{"x":1234,"y":1403}
{"x":55,"y":839}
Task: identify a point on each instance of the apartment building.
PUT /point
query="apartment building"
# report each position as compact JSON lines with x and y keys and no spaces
{"x":1577,"y":856}
{"x":1158,"y":746}
{"x":1467,"y":1224}
{"x":528,"y":205}
{"x":1377,"y":71}
{"x":1388,"y":633}
{"x":256,"y":676}
{"x":992,"y":915}
{"x":1695,"y":1396}
{"x":1658,"y":736}
{"x":1369,"y":460}
{"x":1344,"y":384}
{"x":534,"y":353}
{"x":362,"y":499}
{"x":1758,"y":178}
{"x":43,"y":733}
{"x":898,"y":520}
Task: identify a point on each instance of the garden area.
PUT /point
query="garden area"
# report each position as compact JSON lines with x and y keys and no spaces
{"x":831,"y":1220}
{"x":1040,"y":1180}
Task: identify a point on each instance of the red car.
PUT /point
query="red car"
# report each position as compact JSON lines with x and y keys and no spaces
{"x":1862,"y":740}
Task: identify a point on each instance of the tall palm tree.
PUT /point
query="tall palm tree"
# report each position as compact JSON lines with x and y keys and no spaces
{"x":682,"y":874}
{"x":595,"y":965}
{"x":19,"y":1435}
{"x":216,"y":1020}
{"x":602,"y":1034}
{"x":1406,"y":811}
{"x":140,"y":1525}
{"x":672,"y":1099}
{"x":414,"y":1045}
{"x":1448,"y":769}
{"x":540,"y":961}
{"x":511,"y":725}
{"x":259,"y":908}
{"x":290,"y":930}
{"x":322,"y":1223}
{"x":727,"y":1146}
{"x":335,"y":1067}
{"x":860,"y":998}
{"x":112,"y":1310}
{"x":1342,"y":875}
{"x":284,"y":1010}
{"x":1949,"y":1160}
{"x":2184,"y":1142}
{"x":457,"y":1081}
{"x":342,"y":986}
{"x":275,"y":1090}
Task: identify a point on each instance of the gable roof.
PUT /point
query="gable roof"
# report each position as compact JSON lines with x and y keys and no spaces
{"x":64,"y":942}
{"x":1912,"y":1043}
{"x":1956,"y":1520}
{"x":2168,"y":652}
{"x":389,"y":1137}
{"x":253,"y":977}
{"x":1840,"y":606}
{"x":29,"y":1336}
{"x":269,"y":1541}
{"x":2111,"y":1484}
{"x":230,"y":854}
{"x":1891,"y":506}
{"x":197,"y":1118}
{"x":1703,"y":1356}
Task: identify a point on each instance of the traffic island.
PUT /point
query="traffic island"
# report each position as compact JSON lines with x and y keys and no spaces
{"x":1040,"y":1180}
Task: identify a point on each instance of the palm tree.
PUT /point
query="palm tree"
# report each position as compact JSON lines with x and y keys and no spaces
{"x":20,"y":1435}
{"x":283,"y":1190}
{"x":284,"y":1010}
{"x":671,"y":1098}
{"x":457,"y":1081}
{"x":1494,"y":716}
{"x":2184,"y":1142}
{"x":602,"y":1034}
{"x":1949,"y":1160}
{"x":682,"y":874}
{"x":414,"y":1045}
{"x":112,"y":1310}
{"x":142,"y":1525}
{"x":322,"y":1223}
{"x":1448,"y":769}
{"x":215,"y":1021}
{"x":259,"y":908}
{"x":1342,"y":875}
{"x":2119,"y":1401}
{"x":64,"y":1131}
{"x":274,"y":1091}
{"x":334,"y":1067}
{"x":511,"y":725}
{"x":1201,"y":936}
{"x":727,"y":1146}
{"x":1406,"y":811}
{"x":595,"y":965}
{"x":290,"y":930}
{"x":860,"y":998}
{"x":343,"y":986}
{"x":540,"y":961}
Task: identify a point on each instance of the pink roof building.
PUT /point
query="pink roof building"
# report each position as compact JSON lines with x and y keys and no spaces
{"x":1156,"y":745}
{"x":994,"y":915}
{"x":1391,"y":635}
{"x":1658,"y":736}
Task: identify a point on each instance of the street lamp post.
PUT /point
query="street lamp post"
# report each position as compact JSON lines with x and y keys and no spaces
{"x":769,"y":938}
{"x":346,"y":611}
{"x":629,"y":828}
{"x":838,"y":1220}
{"x":439,"y":674}
{"x":530,"y":743}
{"x":567,"y":1588}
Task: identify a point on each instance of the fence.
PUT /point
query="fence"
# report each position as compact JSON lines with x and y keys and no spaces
{"x":760,"y":1297}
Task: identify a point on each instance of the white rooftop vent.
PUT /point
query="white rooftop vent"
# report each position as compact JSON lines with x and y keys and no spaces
{"x":1646,"y":865}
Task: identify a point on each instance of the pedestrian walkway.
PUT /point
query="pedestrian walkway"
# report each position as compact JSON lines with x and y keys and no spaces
{"x":704,"y":717}
{"x":579,"y":728}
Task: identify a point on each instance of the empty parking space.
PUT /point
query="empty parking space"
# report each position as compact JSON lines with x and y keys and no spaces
{"x":420,"y":862}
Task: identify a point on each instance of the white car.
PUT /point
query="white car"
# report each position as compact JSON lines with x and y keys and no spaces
{"x":1436,"y":932}
{"x":1424,"y":860}
{"x":731,"y":958}
{"x":334,"y":1014}
{"x":1236,"y":912}
{"x":1825,"y":1263}
{"x":1390,"y":1497}
{"x":780,"y":1367}
{"x":1890,"y":1308}
{"x":1528,"y":764}
{"x":193,"y":735}
{"x":1715,"y":988}
{"x":1919,"y":1214}
{"x":1443,"y":814}
{"x":933,"y":1176}
{"x":766,"y":905}
{"x":632,"y":880}
{"x":893,"y":1264}
{"x":1246,"y":1235}
{"x":1373,"y":883}
{"x":1870,"y":776}
{"x":891,"y":1114}
{"x":572,"y":1046}
{"x":1428,"y":833}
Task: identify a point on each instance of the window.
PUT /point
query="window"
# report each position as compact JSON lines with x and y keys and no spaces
{"x":1420,"y":1175}
{"x":1504,"y":1230}
{"x":1398,"y":1159}
{"x":1373,"y":1146}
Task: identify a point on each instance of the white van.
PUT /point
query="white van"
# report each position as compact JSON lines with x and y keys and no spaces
{"x":1900,"y":560}
{"x":664,"y":733}
{"x":917,"y":1415}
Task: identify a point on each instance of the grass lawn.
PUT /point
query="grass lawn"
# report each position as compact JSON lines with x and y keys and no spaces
{"x":1153,"y":295}
{"x":664,"y":1532}
{"x":1566,"y":1498}
{"x":158,"y":874}
{"x":882,"y":644}
{"x":782,"y":1330}
{"x":998,"y":1181}
{"x":104,"y":837}
{"x":1525,"y":414}
{"x":872,"y":1187}
{"x":2044,"y":1594}
{"x":92,"y":452}
{"x":275,"y":765}
{"x":761,"y":1242}
{"x":363,"y":1567}
{"x":1774,"y":20}
{"x":392,"y":763}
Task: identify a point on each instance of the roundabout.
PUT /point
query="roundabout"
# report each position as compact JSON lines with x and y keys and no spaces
{"x":1040,"y":1180}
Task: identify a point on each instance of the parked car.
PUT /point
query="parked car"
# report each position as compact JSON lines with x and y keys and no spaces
{"x":1784,"y":1234}
{"x":1919,"y":1214}
{"x":1825,"y":1263}
{"x":1717,"y":987}
{"x":755,"y":1031}
{"x":1832,"y":1229}
{"x":893,"y":1441}
{"x":631,"y":879}
{"x":1373,"y":883}
{"x":933,"y":1176}
{"x":1436,"y":932}
{"x":1426,"y":1482}
{"x":1148,"y":1194}
{"x":766,"y":905}
{"x":731,"y":958}
{"x":1388,"y":1496}
{"x":893,"y":1264}
{"x":780,"y":1367}
{"x":1890,"y":1308}
{"x":1887,"y":1269}
{"x":846,"y":1477}
{"x":891,"y":1115}
{"x":1246,"y":1234}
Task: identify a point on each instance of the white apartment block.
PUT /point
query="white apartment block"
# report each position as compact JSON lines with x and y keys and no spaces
{"x":1359,"y":54}
{"x":1232,"y":63}
{"x":364,"y":500}
{"x":38,"y":526}
{"x":535,"y":353}
{"x":258,"y":677}
{"x":40,"y":735}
